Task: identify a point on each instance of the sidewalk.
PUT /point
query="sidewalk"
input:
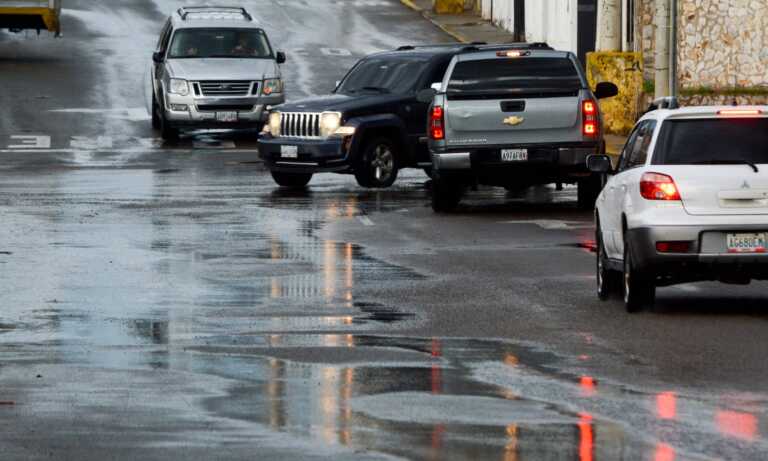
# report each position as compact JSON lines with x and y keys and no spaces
{"x":469,"y":27}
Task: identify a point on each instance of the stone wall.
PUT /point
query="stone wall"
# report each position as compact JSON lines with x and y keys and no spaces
{"x":722,"y":45}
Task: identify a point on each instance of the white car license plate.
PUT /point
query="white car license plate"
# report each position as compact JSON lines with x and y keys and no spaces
{"x":289,"y":151}
{"x":514,"y":155}
{"x":746,"y":243}
{"x":226,"y":116}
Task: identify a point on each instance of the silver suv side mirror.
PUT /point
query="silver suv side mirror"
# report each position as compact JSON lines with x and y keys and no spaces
{"x":280,"y":58}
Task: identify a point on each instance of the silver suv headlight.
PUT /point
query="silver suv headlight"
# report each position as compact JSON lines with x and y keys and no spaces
{"x":178,"y":86}
{"x":272,"y":86}
{"x":274,"y":123}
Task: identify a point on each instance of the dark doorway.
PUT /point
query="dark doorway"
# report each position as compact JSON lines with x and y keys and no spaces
{"x":587,"y":23}
{"x":519,"y":18}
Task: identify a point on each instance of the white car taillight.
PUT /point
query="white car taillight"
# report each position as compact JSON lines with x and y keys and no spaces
{"x":657,"y":186}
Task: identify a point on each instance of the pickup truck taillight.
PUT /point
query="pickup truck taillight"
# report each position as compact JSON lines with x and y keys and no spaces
{"x":436,"y":125}
{"x":589,"y":118}
{"x":657,"y":186}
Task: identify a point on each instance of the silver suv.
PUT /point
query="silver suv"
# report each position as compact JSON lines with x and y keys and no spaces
{"x":213,"y":68}
{"x":514,"y":118}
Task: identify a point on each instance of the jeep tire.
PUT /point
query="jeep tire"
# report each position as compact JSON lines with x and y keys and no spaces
{"x":292,"y":180}
{"x":377,"y":167}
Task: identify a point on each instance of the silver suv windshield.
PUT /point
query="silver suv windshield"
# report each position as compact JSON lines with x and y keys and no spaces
{"x":513,"y":75}
{"x":397,"y":75}
{"x":220,"y":43}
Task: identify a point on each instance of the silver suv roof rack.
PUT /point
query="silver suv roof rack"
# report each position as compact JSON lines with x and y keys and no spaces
{"x":185,"y":10}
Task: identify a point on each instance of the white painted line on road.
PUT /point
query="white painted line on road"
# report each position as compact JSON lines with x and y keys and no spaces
{"x":335,"y":52}
{"x":366,"y":220}
{"x":30,"y":141}
{"x":133,"y":114}
{"x":553,"y":224}
{"x":121,"y":151}
{"x":688,"y":288}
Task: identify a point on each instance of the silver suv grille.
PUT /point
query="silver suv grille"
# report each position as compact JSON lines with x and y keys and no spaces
{"x":300,"y":124}
{"x":226,"y":88}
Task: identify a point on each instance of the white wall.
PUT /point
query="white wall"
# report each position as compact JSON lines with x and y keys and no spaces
{"x":551,"y":21}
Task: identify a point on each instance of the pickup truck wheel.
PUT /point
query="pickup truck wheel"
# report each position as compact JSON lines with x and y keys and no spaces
{"x":155,"y":113}
{"x":608,"y":281}
{"x":295,"y":180}
{"x":588,"y":190}
{"x":446,"y":195}
{"x":378,"y":166}
{"x":639,"y":288}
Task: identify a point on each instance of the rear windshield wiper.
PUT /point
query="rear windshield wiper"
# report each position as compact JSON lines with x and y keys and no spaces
{"x":735,"y":161}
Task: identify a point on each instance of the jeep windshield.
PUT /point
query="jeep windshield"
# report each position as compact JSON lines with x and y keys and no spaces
{"x":709,"y":141}
{"x":220,"y":43}
{"x":381,"y":75}
{"x":524,"y":76}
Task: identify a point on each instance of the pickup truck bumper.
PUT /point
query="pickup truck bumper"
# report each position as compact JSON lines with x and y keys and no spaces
{"x":544,"y":164}
{"x":312,"y":155}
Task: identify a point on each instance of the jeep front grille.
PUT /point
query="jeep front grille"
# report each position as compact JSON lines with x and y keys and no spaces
{"x":226,"y":88}
{"x":300,"y":124}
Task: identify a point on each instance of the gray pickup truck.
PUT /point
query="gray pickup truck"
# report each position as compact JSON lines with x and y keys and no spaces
{"x":514,"y":118}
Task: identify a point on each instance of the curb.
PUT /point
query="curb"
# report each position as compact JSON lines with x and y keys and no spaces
{"x":428,"y":16}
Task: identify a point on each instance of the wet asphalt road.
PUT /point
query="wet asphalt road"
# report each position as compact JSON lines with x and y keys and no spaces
{"x":167,"y":301}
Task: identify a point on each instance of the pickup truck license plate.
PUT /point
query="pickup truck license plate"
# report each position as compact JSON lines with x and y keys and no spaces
{"x":289,"y":152}
{"x":746,"y":243}
{"x":514,"y":155}
{"x":226,"y":116}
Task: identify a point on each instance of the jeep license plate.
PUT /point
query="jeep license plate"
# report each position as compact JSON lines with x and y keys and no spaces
{"x":746,"y":243}
{"x":289,"y":152}
{"x":514,"y":155}
{"x":226,"y":116}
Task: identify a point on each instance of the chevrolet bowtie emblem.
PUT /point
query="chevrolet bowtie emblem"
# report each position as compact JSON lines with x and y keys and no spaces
{"x":514,"y":120}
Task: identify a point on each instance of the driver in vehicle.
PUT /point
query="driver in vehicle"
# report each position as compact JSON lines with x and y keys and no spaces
{"x":244,"y":47}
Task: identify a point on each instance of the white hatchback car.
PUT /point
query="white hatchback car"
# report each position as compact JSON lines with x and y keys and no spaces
{"x":687,"y":202}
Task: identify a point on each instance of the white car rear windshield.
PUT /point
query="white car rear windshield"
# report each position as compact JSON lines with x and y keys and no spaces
{"x":220,"y":43}
{"x":525,"y":75}
{"x":712,"y":141}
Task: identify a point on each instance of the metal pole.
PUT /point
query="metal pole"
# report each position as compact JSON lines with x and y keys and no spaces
{"x":673,"y":49}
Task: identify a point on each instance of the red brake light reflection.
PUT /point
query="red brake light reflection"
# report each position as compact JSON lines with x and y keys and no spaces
{"x":657,"y":186}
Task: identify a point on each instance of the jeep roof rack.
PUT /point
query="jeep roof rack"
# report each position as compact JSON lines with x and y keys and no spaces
{"x":437,"y":45}
{"x":186,"y":10}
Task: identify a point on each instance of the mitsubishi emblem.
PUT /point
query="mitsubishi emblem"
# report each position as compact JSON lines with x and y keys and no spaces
{"x":745,"y":185}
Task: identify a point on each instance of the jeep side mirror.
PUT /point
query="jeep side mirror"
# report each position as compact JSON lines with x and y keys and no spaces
{"x":426,"y":95}
{"x":280,"y":58}
{"x":606,"y":90}
{"x":599,"y":163}
{"x":157,"y":57}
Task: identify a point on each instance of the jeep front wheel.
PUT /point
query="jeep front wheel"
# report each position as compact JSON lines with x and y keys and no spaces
{"x":294,"y":180}
{"x":378,"y":165}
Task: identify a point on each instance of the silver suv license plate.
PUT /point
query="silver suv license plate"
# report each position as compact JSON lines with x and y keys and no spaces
{"x":226,"y":116}
{"x":746,"y":243}
{"x":514,"y":155}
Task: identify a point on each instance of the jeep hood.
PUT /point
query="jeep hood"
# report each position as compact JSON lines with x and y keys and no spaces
{"x":344,"y":103}
{"x":223,"y":69}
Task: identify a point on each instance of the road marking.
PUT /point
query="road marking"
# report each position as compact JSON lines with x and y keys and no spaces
{"x":130,"y":150}
{"x":335,"y":52}
{"x":86,"y":143}
{"x":366,"y":220}
{"x":132,"y":114}
{"x":30,"y":142}
{"x":554,"y":224}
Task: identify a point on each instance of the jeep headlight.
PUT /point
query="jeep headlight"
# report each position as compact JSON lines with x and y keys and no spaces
{"x":179,"y":86}
{"x":272,"y":86}
{"x":274,"y":123}
{"x":329,"y":123}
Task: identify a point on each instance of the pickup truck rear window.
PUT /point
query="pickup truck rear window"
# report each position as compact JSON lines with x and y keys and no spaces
{"x":526,"y":76}
{"x":716,"y":141}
